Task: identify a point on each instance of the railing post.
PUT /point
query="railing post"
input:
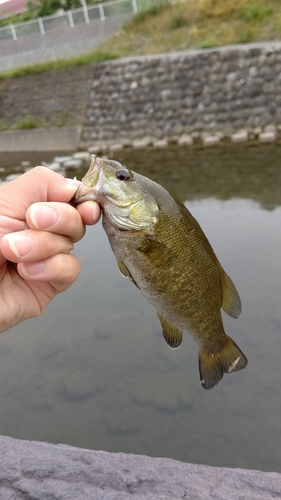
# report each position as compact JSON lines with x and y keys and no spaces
{"x":135,"y":6}
{"x":14,"y":35}
{"x":41,"y":26}
{"x":70,"y":19}
{"x":102,"y":16}
{"x":85,"y":10}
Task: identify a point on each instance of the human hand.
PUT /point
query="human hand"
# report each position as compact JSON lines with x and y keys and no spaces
{"x":38,"y":227}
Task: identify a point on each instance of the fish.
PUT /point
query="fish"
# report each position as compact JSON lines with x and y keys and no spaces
{"x":162,"y":249}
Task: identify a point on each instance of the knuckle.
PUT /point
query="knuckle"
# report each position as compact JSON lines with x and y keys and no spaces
{"x":70,"y":268}
{"x":41,"y":171}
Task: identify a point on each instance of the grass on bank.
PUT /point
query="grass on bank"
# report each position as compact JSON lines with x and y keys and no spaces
{"x":195,"y":24}
{"x":182,"y":25}
{"x":93,"y":57}
{"x":26,"y":122}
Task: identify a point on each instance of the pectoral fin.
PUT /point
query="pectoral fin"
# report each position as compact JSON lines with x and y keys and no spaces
{"x":124,"y":271}
{"x":231,"y":302}
{"x":157,"y":252}
{"x":171,"y":333}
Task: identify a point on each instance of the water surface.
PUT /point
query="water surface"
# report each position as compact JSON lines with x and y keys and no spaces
{"x":96,"y":373}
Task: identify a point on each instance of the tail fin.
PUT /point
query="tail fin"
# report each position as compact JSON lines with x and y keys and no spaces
{"x":213,"y":366}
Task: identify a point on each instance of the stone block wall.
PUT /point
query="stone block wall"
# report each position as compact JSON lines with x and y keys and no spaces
{"x":219,"y":91}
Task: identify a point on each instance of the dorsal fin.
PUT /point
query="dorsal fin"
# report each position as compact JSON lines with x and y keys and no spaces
{"x":231,"y":302}
{"x":171,"y":333}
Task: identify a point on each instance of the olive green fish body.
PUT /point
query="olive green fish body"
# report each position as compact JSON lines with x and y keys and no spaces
{"x":164,"y":263}
{"x":170,"y":260}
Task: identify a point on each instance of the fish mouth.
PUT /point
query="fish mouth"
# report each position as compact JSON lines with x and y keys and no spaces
{"x":84,"y":193}
{"x":91,"y":177}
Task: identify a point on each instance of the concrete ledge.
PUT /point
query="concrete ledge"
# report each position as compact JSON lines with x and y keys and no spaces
{"x":44,"y":471}
{"x":40,"y":139}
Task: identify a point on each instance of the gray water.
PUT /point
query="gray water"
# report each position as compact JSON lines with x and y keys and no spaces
{"x":95,"y":372}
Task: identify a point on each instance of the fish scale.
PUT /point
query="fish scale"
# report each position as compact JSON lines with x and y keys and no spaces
{"x":162,"y":249}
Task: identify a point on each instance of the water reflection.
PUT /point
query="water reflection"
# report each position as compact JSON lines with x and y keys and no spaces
{"x":223,"y":173}
{"x":95,"y":371}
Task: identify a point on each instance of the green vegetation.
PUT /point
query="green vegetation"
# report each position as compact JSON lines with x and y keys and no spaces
{"x":27,"y":122}
{"x":49,"y":7}
{"x":153,"y":11}
{"x":24,"y":123}
{"x":185,"y":24}
{"x":254,"y":12}
{"x":194,"y":24}
{"x":94,"y":57}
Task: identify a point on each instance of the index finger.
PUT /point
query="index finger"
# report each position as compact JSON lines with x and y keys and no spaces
{"x":38,"y":184}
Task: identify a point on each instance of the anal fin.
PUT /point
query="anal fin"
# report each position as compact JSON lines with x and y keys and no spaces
{"x":171,"y":333}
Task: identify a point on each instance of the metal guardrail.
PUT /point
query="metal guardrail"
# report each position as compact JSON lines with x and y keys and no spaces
{"x":71,"y":18}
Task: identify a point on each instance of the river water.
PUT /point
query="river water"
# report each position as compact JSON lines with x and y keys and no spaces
{"x":95,"y":372}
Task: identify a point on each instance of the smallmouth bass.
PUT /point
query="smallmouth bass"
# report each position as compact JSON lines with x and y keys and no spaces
{"x":162,"y":249}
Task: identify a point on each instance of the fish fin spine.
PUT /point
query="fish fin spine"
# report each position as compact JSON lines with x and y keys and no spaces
{"x":212,"y":366}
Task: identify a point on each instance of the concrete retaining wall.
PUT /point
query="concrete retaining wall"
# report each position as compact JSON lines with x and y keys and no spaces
{"x":217,"y":92}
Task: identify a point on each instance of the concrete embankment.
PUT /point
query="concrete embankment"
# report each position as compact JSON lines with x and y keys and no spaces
{"x":44,"y":471}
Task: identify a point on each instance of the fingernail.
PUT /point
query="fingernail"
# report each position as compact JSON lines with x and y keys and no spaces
{"x":20,"y":244}
{"x":96,"y":212}
{"x":73,"y":182}
{"x":43,"y":217}
{"x":32,"y":268}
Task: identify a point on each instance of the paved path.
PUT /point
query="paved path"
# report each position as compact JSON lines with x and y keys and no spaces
{"x":58,"y":44}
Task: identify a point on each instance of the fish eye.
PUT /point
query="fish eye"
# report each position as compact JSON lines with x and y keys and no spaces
{"x":123,"y":175}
